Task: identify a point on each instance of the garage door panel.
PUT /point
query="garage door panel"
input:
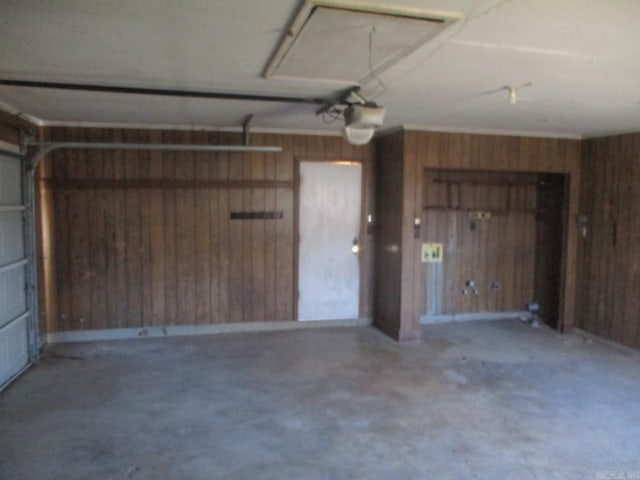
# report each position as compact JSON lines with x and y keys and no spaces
{"x":12,"y":295}
{"x":14,"y":311}
{"x":11,"y":238}
{"x":14,"y":354}
{"x":10,"y":181}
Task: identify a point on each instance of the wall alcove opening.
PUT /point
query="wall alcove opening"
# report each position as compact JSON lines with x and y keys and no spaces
{"x":502,"y":237}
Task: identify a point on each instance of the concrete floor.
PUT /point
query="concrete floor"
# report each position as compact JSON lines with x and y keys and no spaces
{"x":495,"y":400}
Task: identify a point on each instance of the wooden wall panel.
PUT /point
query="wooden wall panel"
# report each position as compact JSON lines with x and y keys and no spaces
{"x":60,"y":236}
{"x":126,"y":262}
{"x":284,"y":238}
{"x":153,"y":210}
{"x":269,"y":233}
{"x":630,"y":263}
{"x":609,"y":276}
{"x":79,"y":271}
{"x":169,"y":213}
{"x":410,"y":247}
{"x":11,"y":127}
{"x":145,"y":238}
{"x":132,"y":230}
{"x":388,"y":232}
{"x":512,"y":154}
{"x":517,"y":250}
{"x":415,"y":151}
{"x":202,"y":235}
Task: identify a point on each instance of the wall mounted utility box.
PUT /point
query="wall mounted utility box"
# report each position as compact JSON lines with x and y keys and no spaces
{"x":432,"y":252}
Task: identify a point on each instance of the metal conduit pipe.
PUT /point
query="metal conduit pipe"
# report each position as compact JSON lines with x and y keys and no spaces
{"x":45,"y":148}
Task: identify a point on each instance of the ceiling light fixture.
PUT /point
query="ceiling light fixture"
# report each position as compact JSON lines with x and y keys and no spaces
{"x":512,"y":98}
{"x":360,"y":122}
{"x":361,"y":116}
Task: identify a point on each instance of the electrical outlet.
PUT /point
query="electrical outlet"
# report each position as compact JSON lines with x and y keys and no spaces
{"x":480,"y":215}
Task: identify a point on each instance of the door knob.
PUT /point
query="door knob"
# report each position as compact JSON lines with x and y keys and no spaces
{"x":355,"y":248}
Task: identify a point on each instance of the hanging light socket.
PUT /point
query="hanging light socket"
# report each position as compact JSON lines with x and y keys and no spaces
{"x":361,"y":121}
{"x":513,"y":91}
{"x":358,"y":135}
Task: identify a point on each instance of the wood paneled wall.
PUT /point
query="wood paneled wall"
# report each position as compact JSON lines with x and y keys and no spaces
{"x":609,"y":287}
{"x":388,"y":233}
{"x":419,"y":150}
{"x":145,"y":238}
{"x":11,"y":128}
{"x":513,"y":256}
{"x":497,"y":253}
{"x":121,"y":251}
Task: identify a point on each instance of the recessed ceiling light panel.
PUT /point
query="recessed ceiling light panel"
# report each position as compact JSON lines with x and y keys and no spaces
{"x":344,"y":43}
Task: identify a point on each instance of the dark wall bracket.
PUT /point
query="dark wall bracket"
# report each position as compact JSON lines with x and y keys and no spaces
{"x":257,"y":215}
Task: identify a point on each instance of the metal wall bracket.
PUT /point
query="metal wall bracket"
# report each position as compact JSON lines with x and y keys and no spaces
{"x":44,"y":148}
{"x":246,"y":127}
{"x":27,"y":137}
{"x":342,"y":98}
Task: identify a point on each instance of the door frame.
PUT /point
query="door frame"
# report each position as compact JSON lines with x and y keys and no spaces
{"x":296,"y":225}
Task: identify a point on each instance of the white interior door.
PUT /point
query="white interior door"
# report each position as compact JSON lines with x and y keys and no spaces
{"x":13,"y":302}
{"x":328,"y":270}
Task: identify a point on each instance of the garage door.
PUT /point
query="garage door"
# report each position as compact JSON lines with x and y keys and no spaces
{"x":14,"y":312}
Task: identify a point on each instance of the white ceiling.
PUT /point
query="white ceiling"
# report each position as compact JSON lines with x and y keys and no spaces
{"x":581,"y":56}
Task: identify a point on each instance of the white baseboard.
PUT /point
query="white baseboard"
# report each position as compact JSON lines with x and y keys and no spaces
{"x":467,"y":317}
{"x":185,"y":330}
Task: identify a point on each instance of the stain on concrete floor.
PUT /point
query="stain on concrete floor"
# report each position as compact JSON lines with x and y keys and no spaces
{"x":473,"y":400}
